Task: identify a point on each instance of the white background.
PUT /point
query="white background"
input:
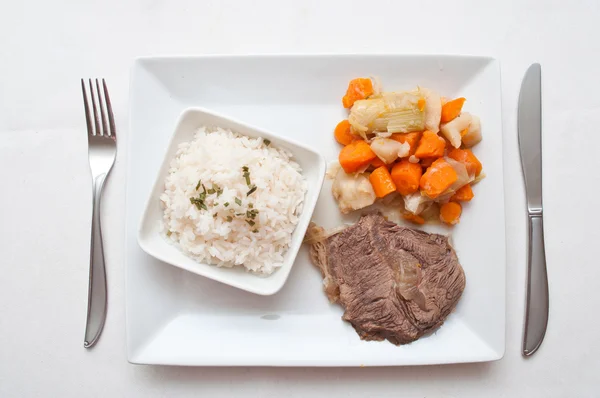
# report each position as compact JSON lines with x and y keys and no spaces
{"x":46,"y":46}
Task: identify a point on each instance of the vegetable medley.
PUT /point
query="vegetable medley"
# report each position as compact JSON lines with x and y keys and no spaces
{"x":413,"y":143}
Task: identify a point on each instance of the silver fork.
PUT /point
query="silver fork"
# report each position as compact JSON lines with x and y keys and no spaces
{"x":102,"y":150}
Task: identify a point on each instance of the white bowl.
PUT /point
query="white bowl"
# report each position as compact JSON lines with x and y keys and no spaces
{"x":152,"y":242}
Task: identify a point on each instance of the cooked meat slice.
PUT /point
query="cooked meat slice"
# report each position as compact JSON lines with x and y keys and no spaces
{"x":394,"y":283}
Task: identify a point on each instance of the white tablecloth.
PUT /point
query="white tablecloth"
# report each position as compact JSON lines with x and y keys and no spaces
{"x":47,"y":46}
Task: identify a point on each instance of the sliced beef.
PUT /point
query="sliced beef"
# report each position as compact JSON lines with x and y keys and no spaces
{"x":394,"y":283}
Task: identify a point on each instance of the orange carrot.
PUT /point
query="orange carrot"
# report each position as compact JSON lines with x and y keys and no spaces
{"x":355,"y":156}
{"x":377,"y":163}
{"x":450,"y":212}
{"x":451,"y":109}
{"x":430,"y":146}
{"x":382,"y":183}
{"x":464,"y":194}
{"x":358,"y":89}
{"x":421,"y":104}
{"x":343,"y":134}
{"x":406,"y":176}
{"x":414,"y":218}
{"x":412,"y":139}
{"x":437,"y":179}
{"x":466,"y":157}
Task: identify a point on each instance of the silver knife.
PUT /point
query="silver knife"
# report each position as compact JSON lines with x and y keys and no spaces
{"x":530,"y":147}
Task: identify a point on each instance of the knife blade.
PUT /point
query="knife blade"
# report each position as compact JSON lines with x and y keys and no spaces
{"x":530,"y":148}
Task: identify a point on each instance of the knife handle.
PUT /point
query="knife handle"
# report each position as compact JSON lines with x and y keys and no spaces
{"x":537,"y":300}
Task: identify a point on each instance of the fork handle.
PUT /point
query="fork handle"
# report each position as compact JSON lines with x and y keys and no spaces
{"x":97,"y":293}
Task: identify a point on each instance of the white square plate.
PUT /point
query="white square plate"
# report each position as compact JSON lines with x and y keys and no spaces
{"x":178,"y":318}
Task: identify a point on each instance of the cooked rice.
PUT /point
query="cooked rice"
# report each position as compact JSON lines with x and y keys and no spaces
{"x":215,"y":157}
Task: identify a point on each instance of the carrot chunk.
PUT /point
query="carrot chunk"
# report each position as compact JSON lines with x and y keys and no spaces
{"x":377,"y":163}
{"x":466,"y":157}
{"x":450,"y":212}
{"x":343,"y":134}
{"x":412,"y":139}
{"x":358,"y":89}
{"x":414,"y":218}
{"x":464,"y":194}
{"x":355,"y":156}
{"x":382,"y":183}
{"x":437,"y":179}
{"x":451,"y":109}
{"x":430,"y":146}
{"x":406,"y":176}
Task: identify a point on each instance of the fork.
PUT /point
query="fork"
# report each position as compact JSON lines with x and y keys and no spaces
{"x":102,"y":150}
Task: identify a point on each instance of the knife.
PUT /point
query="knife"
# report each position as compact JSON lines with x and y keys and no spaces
{"x":530,"y":147}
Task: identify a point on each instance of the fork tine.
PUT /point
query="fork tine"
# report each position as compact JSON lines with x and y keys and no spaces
{"x":111,"y":118}
{"x":96,"y":122}
{"x":88,"y":119}
{"x":105,"y":131}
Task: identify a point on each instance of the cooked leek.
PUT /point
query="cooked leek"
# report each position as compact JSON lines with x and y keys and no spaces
{"x":415,"y":203}
{"x":391,"y":112}
{"x":433,"y":109}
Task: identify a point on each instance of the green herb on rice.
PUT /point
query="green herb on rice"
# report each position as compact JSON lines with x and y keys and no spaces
{"x":246,"y":174}
{"x":251,"y":214}
{"x":199,"y":203}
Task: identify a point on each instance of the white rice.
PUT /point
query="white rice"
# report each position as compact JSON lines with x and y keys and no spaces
{"x":216,"y":156}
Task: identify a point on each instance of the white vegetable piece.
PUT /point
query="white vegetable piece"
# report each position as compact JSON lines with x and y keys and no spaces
{"x":416,"y":203}
{"x":433,"y":110}
{"x":352,"y":191}
{"x":389,"y":150}
{"x":452,"y":129}
{"x":473,"y":136}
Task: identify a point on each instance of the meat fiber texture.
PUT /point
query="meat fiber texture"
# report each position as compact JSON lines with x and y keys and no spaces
{"x":395,"y":283}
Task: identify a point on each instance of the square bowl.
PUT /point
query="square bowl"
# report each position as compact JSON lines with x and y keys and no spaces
{"x":152,"y":242}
